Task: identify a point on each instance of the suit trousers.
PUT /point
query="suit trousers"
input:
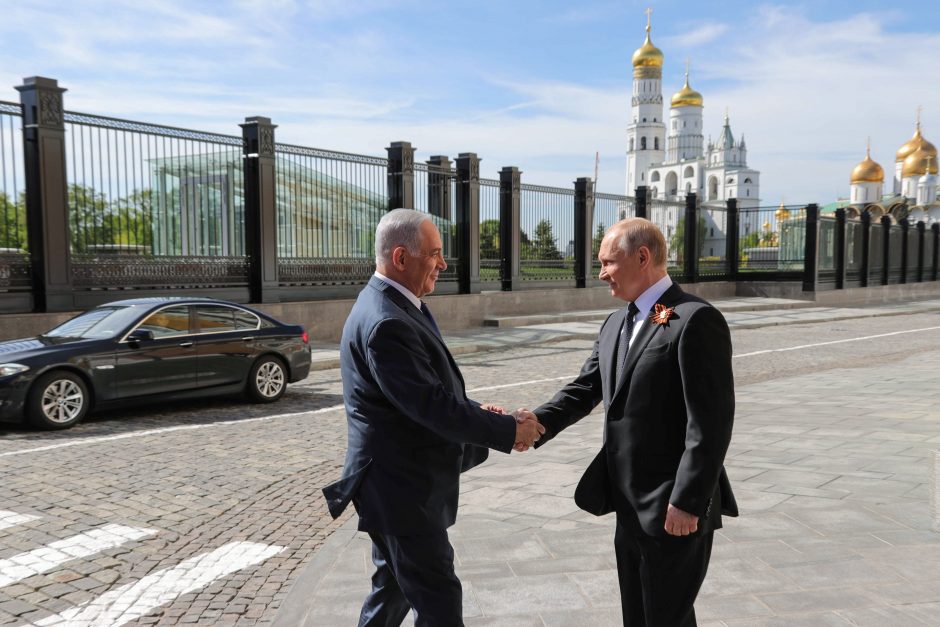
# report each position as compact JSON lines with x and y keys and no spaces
{"x":413,"y":572}
{"x":659,"y":577}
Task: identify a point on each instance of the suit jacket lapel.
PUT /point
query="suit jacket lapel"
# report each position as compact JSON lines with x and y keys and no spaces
{"x":408,"y":307}
{"x":607,"y":352}
{"x":669,"y":297}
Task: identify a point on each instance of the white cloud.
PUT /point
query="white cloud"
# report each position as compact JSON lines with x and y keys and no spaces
{"x":698,"y":36}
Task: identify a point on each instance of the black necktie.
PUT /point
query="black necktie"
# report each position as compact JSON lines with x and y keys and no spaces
{"x":623,"y":346}
{"x":427,"y":314}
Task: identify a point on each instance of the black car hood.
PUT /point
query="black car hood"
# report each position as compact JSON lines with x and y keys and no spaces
{"x":26,"y":347}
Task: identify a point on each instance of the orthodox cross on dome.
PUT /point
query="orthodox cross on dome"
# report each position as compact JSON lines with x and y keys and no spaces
{"x":868,"y":146}
{"x":688,"y":64}
{"x":649,"y":18}
{"x":919,"y":109}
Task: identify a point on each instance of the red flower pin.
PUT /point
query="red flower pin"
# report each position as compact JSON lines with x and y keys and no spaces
{"x":661,"y":314}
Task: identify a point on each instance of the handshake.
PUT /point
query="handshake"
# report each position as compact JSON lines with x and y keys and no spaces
{"x":528,"y":427}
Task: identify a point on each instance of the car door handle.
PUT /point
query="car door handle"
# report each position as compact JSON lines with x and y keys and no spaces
{"x":186,"y":344}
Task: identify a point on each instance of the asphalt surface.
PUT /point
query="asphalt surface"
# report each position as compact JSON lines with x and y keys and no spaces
{"x":225,"y":495}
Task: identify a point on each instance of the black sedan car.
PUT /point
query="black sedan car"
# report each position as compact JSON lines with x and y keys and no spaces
{"x":148,"y":349}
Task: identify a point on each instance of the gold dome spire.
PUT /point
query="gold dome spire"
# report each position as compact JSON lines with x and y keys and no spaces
{"x":919,"y":162}
{"x":686,"y":97}
{"x":782,"y":213}
{"x":914,"y":143}
{"x":648,"y":59}
{"x":868,"y":171}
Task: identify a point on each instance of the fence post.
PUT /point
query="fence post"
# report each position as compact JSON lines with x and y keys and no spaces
{"x":886,"y":248}
{"x":866,"y":249}
{"x":642,"y":202}
{"x":583,"y":232}
{"x":439,"y":186}
{"x":732,"y":253}
{"x":690,"y":252}
{"x":935,"y":230}
{"x":905,"y":227}
{"x":47,"y":206}
{"x":921,"y":232}
{"x":468,"y":222}
{"x":840,"y":249}
{"x":509,"y":233}
{"x":260,"y":209}
{"x":811,"y":252}
{"x":401,"y":176}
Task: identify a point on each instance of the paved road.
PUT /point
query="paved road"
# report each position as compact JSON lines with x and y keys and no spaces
{"x":207,"y":512}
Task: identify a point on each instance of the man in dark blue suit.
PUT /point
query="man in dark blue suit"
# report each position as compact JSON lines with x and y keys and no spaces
{"x":411,"y":430}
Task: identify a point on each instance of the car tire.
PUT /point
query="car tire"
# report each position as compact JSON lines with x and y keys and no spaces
{"x":267,"y":380}
{"x":57,"y":400}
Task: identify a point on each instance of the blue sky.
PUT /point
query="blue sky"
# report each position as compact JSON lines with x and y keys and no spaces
{"x":540,"y":85}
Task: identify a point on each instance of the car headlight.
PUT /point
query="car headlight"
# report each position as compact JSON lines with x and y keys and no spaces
{"x":9,"y":369}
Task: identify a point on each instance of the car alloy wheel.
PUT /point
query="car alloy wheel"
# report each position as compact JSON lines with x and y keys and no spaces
{"x":267,"y":381}
{"x":58,"y":400}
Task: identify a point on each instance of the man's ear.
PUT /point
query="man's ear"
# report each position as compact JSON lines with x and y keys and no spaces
{"x":644,"y":256}
{"x":398,"y":258}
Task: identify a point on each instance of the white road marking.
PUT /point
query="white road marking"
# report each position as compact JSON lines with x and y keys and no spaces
{"x":140,"y":434}
{"x":53,"y":555}
{"x":851,"y":339}
{"x":131,"y":601}
{"x":12,"y":519}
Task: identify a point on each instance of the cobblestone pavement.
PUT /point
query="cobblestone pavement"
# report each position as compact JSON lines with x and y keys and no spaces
{"x":206,"y":512}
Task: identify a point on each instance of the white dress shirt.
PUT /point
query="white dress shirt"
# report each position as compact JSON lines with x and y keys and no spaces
{"x":646,"y":300}
{"x":414,"y":300}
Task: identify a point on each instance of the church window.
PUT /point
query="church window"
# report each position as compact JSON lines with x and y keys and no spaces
{"x":654,"y":119}
{"x":654,"y":177}
{"x":644,"y":119}
{"x":748,"y":192}
{"x":674,"y":125}
{"x":747,"y":180}
{"x":631,"y":143}
{"x":713,"y":232}
{"x":642,"y":176}
{"x":683,"y":124}
{"x":655,"y":143}
{"x":711,"y":252}
{"x":730,"y":180}
{"x":643,"y":143}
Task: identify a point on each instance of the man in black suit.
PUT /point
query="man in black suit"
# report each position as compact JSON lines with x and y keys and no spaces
{"x":411,"y":430}
{"x":662,"y":367}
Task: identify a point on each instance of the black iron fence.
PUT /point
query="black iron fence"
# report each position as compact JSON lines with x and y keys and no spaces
{"x":91,"y":204}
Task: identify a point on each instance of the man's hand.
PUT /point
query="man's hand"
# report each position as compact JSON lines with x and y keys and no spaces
{"x":679,"y":522}
{"x":493,"y":408}
{"x":528,"y":429}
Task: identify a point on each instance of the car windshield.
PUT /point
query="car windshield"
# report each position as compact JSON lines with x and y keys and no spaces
{"x":100,"y":322}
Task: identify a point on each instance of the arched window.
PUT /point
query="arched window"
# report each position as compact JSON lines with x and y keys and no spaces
{"x":655,"y":143}
{"x":747,"y":180}
{"x":644,"y":119}
{"x":642,"y":143}
{"x":672,"y":184}
{"x":631,"y":143}
{"x":654,"y":177}
{"x":713,"y":188}
{"x":689,"y":172}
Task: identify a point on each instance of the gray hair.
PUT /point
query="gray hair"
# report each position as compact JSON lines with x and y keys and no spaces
{"x":399,"y":227}
{"x":632,"y":233}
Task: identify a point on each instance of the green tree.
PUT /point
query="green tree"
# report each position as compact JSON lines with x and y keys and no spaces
{"x":677,"y":242}
{"x":598,"y":238}
{"x":544,"y":246}
{"x":489,"y":239}
{"x":13,"y":234}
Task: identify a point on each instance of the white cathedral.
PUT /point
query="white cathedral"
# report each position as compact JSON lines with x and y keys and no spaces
{"x":676,"y":165}
{"x":915,"y":192}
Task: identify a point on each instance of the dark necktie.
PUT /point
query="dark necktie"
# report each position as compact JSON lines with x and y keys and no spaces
{"x":623,"y":346}
{"x":427,"y":314}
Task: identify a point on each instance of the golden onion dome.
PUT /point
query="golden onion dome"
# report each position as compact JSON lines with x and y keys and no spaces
{"x":868,"y":171}
{"x":913,"y":144}
{"x":782,"y":213}
{"x":686,"y":97}
{"x":919,"y":163}
{"x":648,"y":59}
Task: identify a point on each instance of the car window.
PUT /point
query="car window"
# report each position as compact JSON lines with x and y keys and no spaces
{"x":215,"y":318}
{"x":167,"y":322}
{"x":245,"y":319}
{"x":99,"y":322}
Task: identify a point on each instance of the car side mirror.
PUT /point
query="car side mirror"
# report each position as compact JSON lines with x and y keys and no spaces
{"x":140,"y":335}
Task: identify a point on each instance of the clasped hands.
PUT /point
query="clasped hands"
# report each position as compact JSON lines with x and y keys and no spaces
{"x":528,"y":427}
